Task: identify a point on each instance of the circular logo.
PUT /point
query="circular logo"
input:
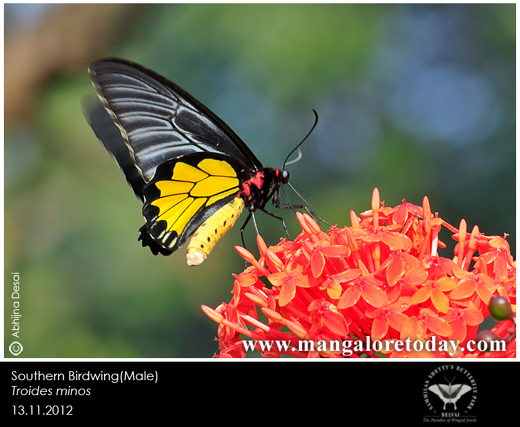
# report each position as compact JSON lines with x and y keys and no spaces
{"x":15,"y":348}
{"x":450,"y":392}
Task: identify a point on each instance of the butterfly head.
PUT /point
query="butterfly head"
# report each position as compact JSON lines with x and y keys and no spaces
{"x":285,"y":176}
{"x":257,"y":190}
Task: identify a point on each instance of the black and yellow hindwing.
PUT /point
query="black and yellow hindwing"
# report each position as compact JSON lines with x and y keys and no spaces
{"x":186,"y":191}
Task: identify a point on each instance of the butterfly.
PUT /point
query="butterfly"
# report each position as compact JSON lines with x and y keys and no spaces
{"x":449,"y":393}
{"x":193,"y":174}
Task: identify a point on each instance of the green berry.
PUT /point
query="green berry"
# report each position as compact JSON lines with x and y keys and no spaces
{"x":488,"y":337}
{"x":500,"y":309}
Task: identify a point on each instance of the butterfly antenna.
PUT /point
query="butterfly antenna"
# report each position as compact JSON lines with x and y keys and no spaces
{"x":306,"y":205}
{"x":298,"y":146}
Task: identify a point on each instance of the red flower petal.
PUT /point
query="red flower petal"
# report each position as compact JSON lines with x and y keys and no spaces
{"x":335,"y":251}
{"x":246,"y":279}
{"x":379,"y":328}
{"x":416,"y":276}
{"x":473,"y":316}
{"x":438,"y":326}
{"x":400,"y":215}
{"x":499,"y":243}
{"x":464,"y":289}
{"x":395,"y":271}
{"x":375,"y":296}
{"x":484,"y":293}
{"x":347,"y":275}
{"x":396,"y":240}
{"x":397,"y":320}
{"x":459,"y":330}
{"x":421,"y":295}
{"x":317,"y":263}
{"x":401,"y":304}
{"x":501,"y":268}
{"x":334,"y":290}
{"x":446,"y":283}
{"x":287,"y":293}
{"x":277,"y":279}
{"x":335,"y":322}
{"x":409,"y":329}
{"x":350,"y":297}
{"x":440,"y":301}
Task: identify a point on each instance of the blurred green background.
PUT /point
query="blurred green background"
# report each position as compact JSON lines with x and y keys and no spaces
{"x":417,"y":100}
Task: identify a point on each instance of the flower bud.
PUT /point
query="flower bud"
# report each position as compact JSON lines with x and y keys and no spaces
{"x":500,"y":309}
{"x":488,"y":337}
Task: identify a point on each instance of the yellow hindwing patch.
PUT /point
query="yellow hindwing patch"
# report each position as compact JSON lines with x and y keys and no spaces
{"x":192,"y":188}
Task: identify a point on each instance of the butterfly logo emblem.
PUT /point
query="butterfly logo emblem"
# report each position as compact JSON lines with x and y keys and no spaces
{"x":450,"y":393}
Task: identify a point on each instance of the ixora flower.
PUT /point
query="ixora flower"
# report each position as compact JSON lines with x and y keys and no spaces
{"x":378,"y":288}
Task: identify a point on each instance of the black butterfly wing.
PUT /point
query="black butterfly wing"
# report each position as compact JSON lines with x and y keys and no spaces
{"x":110,"y":136}
{"x":158,"y":120}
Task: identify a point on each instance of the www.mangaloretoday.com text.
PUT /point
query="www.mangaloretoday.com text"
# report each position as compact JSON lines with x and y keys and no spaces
{"x":349,"y":347}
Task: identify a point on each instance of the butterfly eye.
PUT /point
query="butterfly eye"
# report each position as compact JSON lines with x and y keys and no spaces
{"x":286,"y":176}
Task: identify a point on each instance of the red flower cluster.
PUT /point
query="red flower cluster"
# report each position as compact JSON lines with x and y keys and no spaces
{"x":380,"y":281}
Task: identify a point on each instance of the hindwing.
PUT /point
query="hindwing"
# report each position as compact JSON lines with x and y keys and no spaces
{"x":187,"y":190}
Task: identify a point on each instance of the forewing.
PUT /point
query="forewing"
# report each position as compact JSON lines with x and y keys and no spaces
{"x":441,"y":392}
{"x":108,"y":133}
{"x":160,"y":121}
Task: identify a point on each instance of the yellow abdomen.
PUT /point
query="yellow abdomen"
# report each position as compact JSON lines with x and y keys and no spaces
{"x":209,"y":233}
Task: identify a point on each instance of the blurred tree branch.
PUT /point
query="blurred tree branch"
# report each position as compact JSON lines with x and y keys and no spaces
{"x":68,"y":38}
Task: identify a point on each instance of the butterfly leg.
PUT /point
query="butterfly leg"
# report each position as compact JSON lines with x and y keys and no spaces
{"x":279,"y":205}
{"x":243,"y":228}
{"x":254,"y":222}
{"x":280,"y":219}
{"x":251,"y":215}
